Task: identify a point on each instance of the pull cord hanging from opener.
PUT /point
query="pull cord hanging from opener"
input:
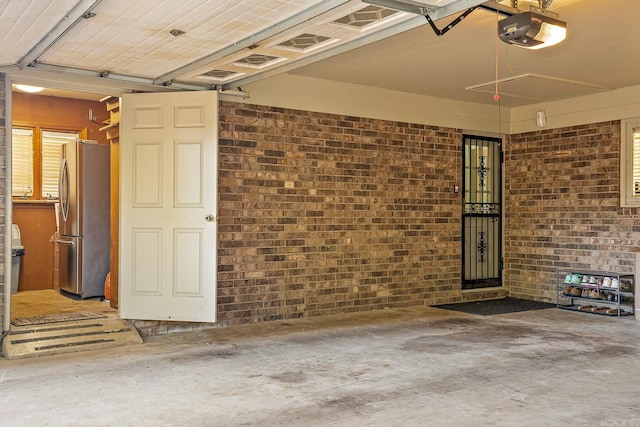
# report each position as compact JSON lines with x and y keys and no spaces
{"x":496,"y":95}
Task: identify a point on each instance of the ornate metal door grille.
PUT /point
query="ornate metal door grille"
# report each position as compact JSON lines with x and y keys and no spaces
{"x":482,"y":215}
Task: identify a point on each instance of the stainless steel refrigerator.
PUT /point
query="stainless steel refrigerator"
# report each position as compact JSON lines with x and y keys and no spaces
{"x":83,"y":218}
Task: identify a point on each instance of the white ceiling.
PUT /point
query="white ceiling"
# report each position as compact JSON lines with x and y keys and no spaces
{"x":228,"y":43}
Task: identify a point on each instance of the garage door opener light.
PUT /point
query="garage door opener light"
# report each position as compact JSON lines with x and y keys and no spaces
{"x":532,"y":30}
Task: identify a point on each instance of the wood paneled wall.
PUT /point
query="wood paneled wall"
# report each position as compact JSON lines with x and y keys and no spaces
{"x":51,"y":112}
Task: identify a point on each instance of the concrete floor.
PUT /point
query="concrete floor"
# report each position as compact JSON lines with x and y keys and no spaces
{"x":404,"y":367}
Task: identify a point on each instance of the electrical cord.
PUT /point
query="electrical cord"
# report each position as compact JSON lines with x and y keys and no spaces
{"x":4,"y":335}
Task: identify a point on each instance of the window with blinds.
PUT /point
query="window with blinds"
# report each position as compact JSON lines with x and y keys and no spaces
{"x":51,"y":157}
{"x":35,"y":159}
{"x":630,"y":163}
{"x":22,"y":162}
{"x":635,"y":136}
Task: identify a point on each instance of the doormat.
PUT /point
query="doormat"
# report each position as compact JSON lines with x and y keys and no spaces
{"x":497,"y":306}
{"x":54,"y":318}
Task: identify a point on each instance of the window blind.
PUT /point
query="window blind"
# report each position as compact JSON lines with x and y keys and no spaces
{"x":636,"y":162}
{"x":22,"y":162}
{"x":51,"y":157}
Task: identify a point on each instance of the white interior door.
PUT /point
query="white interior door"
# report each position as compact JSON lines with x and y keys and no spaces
{"x":168,"y":206}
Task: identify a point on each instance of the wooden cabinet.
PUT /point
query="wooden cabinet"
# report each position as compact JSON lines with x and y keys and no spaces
{"x":37,"y":222}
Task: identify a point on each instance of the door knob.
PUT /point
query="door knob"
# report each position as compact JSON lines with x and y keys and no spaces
{"x":209,"y":218}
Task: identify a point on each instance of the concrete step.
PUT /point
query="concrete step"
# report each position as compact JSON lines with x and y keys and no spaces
{"x":68,"y":337}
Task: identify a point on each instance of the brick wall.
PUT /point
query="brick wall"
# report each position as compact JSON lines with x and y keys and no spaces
{"x":4,"y":284}
{"x":563,"y":207}
{"x":323,"y":214}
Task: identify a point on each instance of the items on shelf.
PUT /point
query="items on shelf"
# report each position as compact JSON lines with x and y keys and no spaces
{"x":597,"y":292}
{"x":112,"y":125}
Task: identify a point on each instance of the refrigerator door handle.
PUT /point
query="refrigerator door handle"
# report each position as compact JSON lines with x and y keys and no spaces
{"x":63,"y":189}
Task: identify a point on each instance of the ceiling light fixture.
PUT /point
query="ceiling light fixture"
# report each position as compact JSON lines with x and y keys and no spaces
{"x":532,"y":30}
{"x":29,"y":89}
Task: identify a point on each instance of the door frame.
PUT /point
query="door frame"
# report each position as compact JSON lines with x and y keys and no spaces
{"x":497,"y":282}
{"x":9,"y":207}
{"x":8,"y":214}
{"x":54,"y":81}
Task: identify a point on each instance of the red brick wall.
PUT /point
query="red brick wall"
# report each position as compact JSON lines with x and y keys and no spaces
{"x":562,"y":207}
{"x":323,"y":214}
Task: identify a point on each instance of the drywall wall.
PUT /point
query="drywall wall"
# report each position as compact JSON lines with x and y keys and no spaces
{"x":310,"y":94}
{"x":604,"y":106}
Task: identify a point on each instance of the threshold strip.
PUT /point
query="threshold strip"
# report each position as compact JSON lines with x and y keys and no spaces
{"x":55,"y":337}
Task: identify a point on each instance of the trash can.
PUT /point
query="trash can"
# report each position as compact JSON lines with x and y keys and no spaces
{"x":17,"y":251}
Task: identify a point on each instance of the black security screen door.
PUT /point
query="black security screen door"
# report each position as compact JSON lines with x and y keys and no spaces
{"x":482,"y":220}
